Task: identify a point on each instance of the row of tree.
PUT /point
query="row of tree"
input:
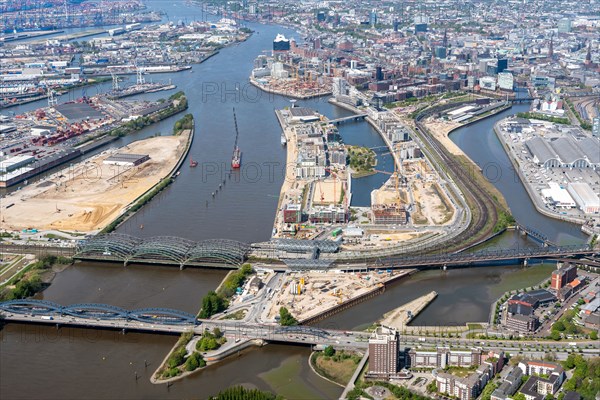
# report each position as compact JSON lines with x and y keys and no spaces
{"x":241,"y":393}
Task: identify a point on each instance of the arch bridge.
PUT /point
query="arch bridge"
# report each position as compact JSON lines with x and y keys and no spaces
{"x":162,"y":250}
{"x":92,"y":311}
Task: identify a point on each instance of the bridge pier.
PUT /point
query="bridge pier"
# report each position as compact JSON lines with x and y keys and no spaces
{"x":125,"y":263}
{"x":525,"y":261}
{"x":181,"y":266}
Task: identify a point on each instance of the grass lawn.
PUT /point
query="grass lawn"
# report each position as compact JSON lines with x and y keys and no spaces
{"x":338,"y":369}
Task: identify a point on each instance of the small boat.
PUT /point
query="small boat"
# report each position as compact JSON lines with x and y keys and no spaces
{"x":193,"y":163}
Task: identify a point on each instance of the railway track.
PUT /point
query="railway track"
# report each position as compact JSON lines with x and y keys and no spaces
{"x":483,"y":203}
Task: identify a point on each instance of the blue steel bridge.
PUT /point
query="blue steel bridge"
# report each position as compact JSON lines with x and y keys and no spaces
{"x":92,"y":311}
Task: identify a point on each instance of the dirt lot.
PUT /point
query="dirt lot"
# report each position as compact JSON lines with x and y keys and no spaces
{"x":431,"y":204}
{"x":325,"y":190}
{"x":88,"y":196}
{"x":440,"y":130}
{"x":322,"y":291}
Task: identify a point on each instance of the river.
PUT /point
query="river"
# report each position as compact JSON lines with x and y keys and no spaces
{"x":43,"y":362}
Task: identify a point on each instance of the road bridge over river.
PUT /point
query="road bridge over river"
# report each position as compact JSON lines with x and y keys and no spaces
{"x":164,"y":321}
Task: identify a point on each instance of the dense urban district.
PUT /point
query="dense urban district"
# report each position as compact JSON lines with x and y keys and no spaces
{"x":74,"y":174}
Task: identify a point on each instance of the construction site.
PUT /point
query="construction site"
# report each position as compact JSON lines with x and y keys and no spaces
{"x":312,"y":293}
{"x":87,"y":196}
{"x":291,"y":76}
{"x":413,"y":196}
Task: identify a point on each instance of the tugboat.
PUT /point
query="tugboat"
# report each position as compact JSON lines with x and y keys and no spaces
{"x":236,"y":158}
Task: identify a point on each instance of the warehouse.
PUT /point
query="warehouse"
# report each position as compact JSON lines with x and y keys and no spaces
{"x":13,"y":163}
{"x":130,"y":160}
{"x":566,"y":152}
{"x":585,"y":197}
{"x":558,"y":196}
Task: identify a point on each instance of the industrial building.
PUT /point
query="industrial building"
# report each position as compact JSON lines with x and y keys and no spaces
{"x":584,"y":196}
{"x":124,"y":159}
{"x":565,"y":152}
{"x":14,"y":163}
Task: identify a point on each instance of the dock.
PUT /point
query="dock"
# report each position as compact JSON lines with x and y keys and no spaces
{"x":401,"y":316}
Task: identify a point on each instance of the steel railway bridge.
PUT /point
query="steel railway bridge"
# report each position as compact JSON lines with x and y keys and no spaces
{"x":486,"y":257}
{"x":162,"y":250}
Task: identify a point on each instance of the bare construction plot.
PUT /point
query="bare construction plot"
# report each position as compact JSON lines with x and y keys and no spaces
{"x":88,"y":196}
{"x":322,"y":291}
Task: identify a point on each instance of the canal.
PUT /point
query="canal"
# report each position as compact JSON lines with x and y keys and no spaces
{"x":73,"y":363}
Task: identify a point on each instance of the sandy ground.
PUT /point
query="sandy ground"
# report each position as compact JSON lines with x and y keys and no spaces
{"x":399,"y":317}
{"x":440,"y":130}
{"x":88,"y":196}
{"x":329,"y":190}
{"x":432,"y":203}
{"x":322,"y":291}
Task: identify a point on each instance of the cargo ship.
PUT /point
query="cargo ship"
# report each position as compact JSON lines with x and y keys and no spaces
{"x":236,"y":158}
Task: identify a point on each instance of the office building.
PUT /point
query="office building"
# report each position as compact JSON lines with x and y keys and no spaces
{"x":564,"y":25}
{"x":506,"y":81}
{"x":522,"y":323}
{"x":340,"y":87}
{"x":487,"y":83}
{"x":502,"y":65}
{"x":443,"y":357}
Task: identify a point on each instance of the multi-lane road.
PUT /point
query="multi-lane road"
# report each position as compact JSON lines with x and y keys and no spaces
{"x":310,"y":335}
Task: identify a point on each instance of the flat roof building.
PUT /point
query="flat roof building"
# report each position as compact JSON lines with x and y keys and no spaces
{"x":126,"y":159}
{"x":384,"y":352}
{"x":584,"y":196}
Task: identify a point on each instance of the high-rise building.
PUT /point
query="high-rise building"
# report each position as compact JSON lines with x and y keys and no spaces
{"x":564,"y":25}
{"x":281,"y":44}
{"x":378,"y":73}
{"x":384,"y":352}
{"x":440,"y":52}
{"x":506,"y":81}
{"x":373,"y":18}
{"x":340,"y":87}
{"x":563,"y":276}
{"x":502,"y":65}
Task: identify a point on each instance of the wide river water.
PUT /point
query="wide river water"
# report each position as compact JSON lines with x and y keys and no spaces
{"x":43,"y":362}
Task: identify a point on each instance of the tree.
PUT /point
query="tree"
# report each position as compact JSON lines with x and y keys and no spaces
{"x":191,"y":363}
{"x":519,"y":396}
{"x":217,"y":332}
{"x":558,"y":326}
{"x":431,"y":387}
{"x":329,"y":351}
{"x":594,"y":335}
{"x":555,"y":335}
{"x":285,"y":318}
